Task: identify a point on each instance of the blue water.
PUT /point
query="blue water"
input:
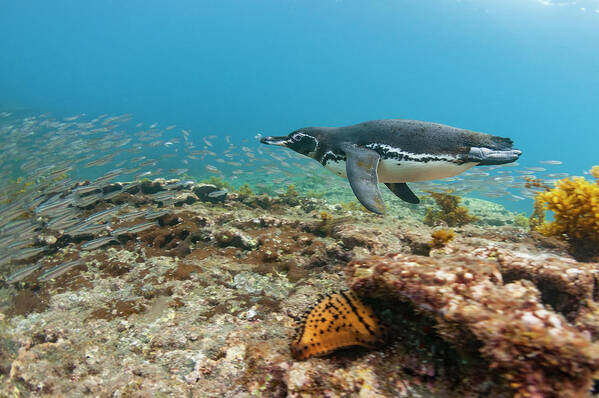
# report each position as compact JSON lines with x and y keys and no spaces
{"x":525,"y":69}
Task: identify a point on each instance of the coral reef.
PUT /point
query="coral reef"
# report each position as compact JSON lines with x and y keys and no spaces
{"x":566,"y":285}
{"x":199,"y":297}
{"x":575,"y":206}
{"x":449,"y":213}
{"x":535,"y":349}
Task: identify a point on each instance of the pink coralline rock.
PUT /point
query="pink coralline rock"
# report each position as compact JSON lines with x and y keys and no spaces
{"x":564,"y":281}
{"x":568,"y":286}
{"x":535,"y":349}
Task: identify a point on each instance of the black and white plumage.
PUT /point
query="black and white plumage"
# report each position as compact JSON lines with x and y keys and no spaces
{"x":396,"y":151}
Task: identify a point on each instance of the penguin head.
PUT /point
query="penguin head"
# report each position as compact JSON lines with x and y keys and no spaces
{"x":492,"y":150}
{"x":302,"y":141}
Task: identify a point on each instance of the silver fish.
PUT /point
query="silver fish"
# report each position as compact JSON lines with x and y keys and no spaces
{"x":49,"y":208}
{"x":132,"y":215}
{"x":110,"y":175}
{"x":536,"y":169}
{"x":162,"y":196}
{"x":142,"y":227}
{"x":217,"y":194}
{"x":151,"y":215}
{"x":98,"y":242}
{"x":557,"y":175}
{"x":11,"y":211}
{"x":22,"y":273}
{"x":86,"y":189}
{"x":88,"y":200}
{"x":86,"y":229}
{"x":112,"y":195}
{"x":28,"y":253}
{"x":58,"y":270}
{"x":21,"y":243}
{"x":62,"y":223}
{"x":104,"y":214}
{"x":552,"y":162}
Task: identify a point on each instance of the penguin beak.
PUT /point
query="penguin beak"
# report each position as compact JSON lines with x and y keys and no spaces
{"x":280,"y":141}
{"x":486,"y":156}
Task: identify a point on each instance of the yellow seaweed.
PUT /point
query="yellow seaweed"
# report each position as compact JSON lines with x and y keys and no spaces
{"x":575,"y":206}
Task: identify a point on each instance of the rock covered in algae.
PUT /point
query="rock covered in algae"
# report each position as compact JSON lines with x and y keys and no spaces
{"x":565,"y":284}
{"x":531,"y":346}
{"x":204,"y":303}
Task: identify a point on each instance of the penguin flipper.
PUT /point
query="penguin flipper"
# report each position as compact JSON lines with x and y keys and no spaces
{"x":361,"y":166}
{"x":402,"y":191}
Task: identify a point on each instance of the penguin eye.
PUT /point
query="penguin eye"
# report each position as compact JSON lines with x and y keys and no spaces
{"x":297,"y":137}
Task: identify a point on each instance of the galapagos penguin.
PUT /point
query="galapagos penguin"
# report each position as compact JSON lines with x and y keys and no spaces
{"x":396,"y":151}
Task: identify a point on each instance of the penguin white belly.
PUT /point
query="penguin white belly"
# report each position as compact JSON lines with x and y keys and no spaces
{"x":390,"y":170}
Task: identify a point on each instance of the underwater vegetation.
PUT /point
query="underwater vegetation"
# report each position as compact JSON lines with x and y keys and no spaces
{"x":244,"y":191}
{"x":290,"y":196}
{"x":353,"y":206}
{"x":218,"y":182}
{"x":328,"y":223}
{"x":575,"y":206}
{"x":441,"y":237}
{"x":450,"y":213}
{"x":521,"y":220}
